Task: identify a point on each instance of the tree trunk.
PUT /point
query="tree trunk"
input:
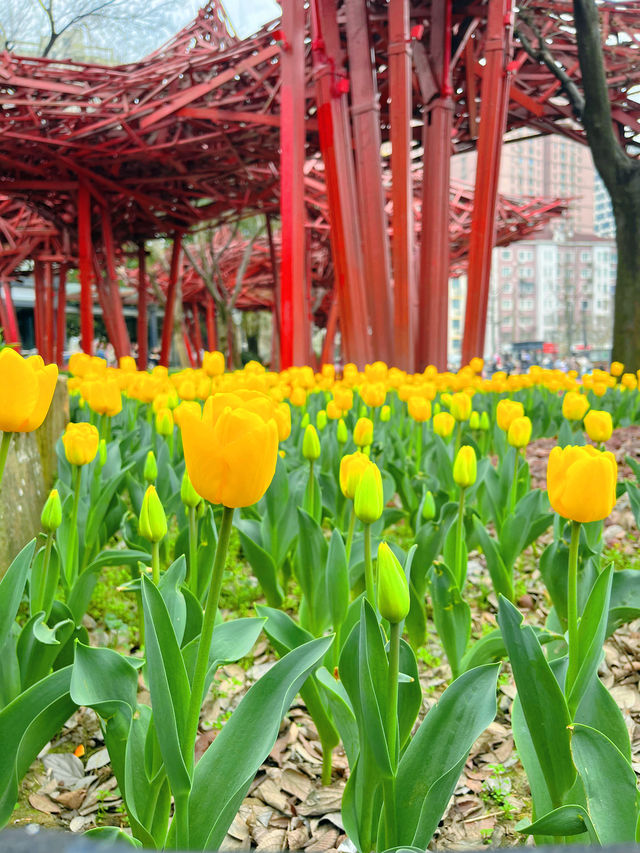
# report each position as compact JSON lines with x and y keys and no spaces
{"x":626,"y":325}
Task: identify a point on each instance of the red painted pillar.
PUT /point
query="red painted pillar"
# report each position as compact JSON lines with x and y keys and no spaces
{"x":328,"y":345}
{"x":169,"y":310}
{"x":143,"y":330}
{"x":494,"y":106}
{"x":49,"y":325}
{"x":11,"y":331}
{"x":39,"y":319}
{"x":212,"y":337}
{"x":197,"y":333}
{"x":365,"y":119}
{"x":295,"y":341}
{"x":275,"y":311}
{"x":336,"y":147}
{"x":61,"y":315}
{"x":121,"y":342}
{"x":402,"y":243}
{"x":433,"y":311}
{"x":85,"y":252}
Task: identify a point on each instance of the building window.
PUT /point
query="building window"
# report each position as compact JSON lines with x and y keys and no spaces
{"x":506,"y":272}
{"x":507,"y":304}
{"x":506,"y":254}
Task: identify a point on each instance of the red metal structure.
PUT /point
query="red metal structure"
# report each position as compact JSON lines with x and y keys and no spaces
{"x":210,"y":128}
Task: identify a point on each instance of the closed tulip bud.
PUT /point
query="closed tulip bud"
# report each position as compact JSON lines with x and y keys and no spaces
{"x":616,"y":368}
{"x":519,"y":433}
{"x":304,"y":423}
{"x":460,"y":406}
{"x":581,"y":482}
{"x":465,"y":467}
{"x":369,"y":501}
{"x":310,"y":444}
{"x":507,"y":411}
{"x":213,"y":363}
{"x":385,"y":414}
{"x":419,"y":409}
{"x":188,"y":494}
{"x":484,"y":421}
{"x":393,"y":588}
{"x":102,"y":452}
{"x":321,"y":420}
{"x":598,"y":425}
{"x":474,"y":420}
{"x":428,"y":507}
{"x":443,"y":424}
{"x":574,"y":406}
{"x":437,"y":408}
{"x":298,"y":396}
{"x":80,"y":443}
{"x":150,"y":467}
{"x":476,"y":364}
{"x":334,"y":412}
{"x":363,"y":412}
{"x":153,"y":521}
{"x":363,"y":432}
{"x":51,"y":517}
{"x":342,"y":433}
{"x":629,"y":381}
{"x":351,"y":468}
{"x":164,"y":422}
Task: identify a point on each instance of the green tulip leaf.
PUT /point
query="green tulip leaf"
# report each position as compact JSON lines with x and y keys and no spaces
{"x":11,"y":589}
{"x":451,"y":614}
{"x":565,"y":820}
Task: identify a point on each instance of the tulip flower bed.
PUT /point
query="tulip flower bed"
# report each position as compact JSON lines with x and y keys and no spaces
{"x":376,"y":550}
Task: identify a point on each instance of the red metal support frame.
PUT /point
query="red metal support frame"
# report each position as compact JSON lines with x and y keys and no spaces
{"x":49,"y":313}
{"x":212,"y":337}
{"x":275,"y":314}
{"x":169,"y":311}
{"x":433,"y":303}
{"x":493,"y":117}
{"x":11,"y":330}
{"x":336,"y":148}
{"x":365,"y":120}
{"x":197,"y":333}
{"x":39,"y":319}
{"x":121,"y":342}
{"x":85,"y":252}
{"x":402,"y":242}
{"x":61,"y":314}
{"x":142,"y":322}
{"x":295,"y":340}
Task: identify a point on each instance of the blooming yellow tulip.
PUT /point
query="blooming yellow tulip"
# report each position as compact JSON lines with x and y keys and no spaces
{"x":26,"y":391}
{"x":581,"y":482}
{"x":574,"y":406}
{"x":80,"y":443}
{"x":507,"y":411}
{"x":419,"y":409}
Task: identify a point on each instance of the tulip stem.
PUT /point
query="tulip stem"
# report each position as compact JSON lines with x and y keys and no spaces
{"x":193,"y":551}
{"x":460,"y":570}
{"x":514,"y":485}
{"x":311,"y":492}
{"x":204,"y":644}
{"x":458,"y":439}
{"x":418,"y":441}
{"x":352,"y":524}
{"x":70,"y":567}
{"x":572,"y":610}
{"x":4,"y":450}
{"x":155,"y":562}
{"x":368,"y":566}
{"x":392,"y":729}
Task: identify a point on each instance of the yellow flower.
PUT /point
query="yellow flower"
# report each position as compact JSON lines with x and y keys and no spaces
{"x":334,"y":412}
{"x":298,"y":396}
{"x":385,"y":414}
{"x":363,"y":432}
{"x":507,"y":411}
{"x":127,"y":364}
{"x":152,"y":523}
{"x":629,"y":381}
{"x":616,"y":368}
{"x":213,"y":363}
{"x":51,"y":517}
{"x":342,"y":433}
{"x":443,"y":424}
{"x":460,"y":406}
{"x":519,"y":433}
{"x":574,"y":406}
{"x":282,"y":416}
{"x":164,"y":422}
{"x":465,"y":467}
{"x":581,"y":482}
{"x":476,"y":364}
{"x":419,"y":409}
{"x":26,"y":391}
{"x":351,"y":467}
{"x":598,"y":425}
{"x":80,"y":443}
{"x":310,"y":444}
{"x":368,"y":502}
{"x":230,"y":452}
{"x":393,"y":588}
{"x":103,"y":396}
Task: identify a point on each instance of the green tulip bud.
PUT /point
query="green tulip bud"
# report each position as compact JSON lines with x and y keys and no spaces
{"x":428,"y":507}
{"x":51,"y":517}
{"x":393,"y":589}
{"x":465,"y":467}
{"x":474,"y":420}
{"x":153,"y":521}
{"x":342,"y":433}
{"x":385,"y":414}
{"x":321,"y":420}
{"x":437,"y":408}
{"x":102,"y":452}
{"x":364,"y":411}
{"x":484,"y":421}
{"x":368,"y":501}
{"x":310,"y":443}
{"x":201,"y":510}
{"x":150,"y":468}
{"x":188,"y":494}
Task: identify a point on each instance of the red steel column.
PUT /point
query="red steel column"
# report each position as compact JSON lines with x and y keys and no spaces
{"x":212,"y":337}
{"x":121,"y":343}
{"x":402,"y":243}
{"x":61,"y":315}
{"x":11,"y":331}
{"x":295,"y":340}
{"x":365,"y":119}
{"x":336,"y":147}
{"x":39,"y":319}
{"x":197,"y":333}
{"x":143,"y":330}
{"x":433,"y":312}
{"x":85,"y":252}
{"x":170,"y":306}
{"x":494,"y":106}
{"x":275,"y":313}
{"x":49,"y":324}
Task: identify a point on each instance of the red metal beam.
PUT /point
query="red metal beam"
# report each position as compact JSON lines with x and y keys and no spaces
{"x":121,"y":342}
{"x":295,"y":341}
{"x":365,"y":119}
{"x":10,"y":323}
{"x":143,"y":331}
{"x":85,"y":252}
{"x":169,"y":310}
{"x":61,"y":315}
{"x":493,"y":117}
{"x":400,"y":113}
{"x":212,"y":337}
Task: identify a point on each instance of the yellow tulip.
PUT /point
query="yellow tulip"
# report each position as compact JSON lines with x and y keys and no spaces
{"x":460,"y":406}
{"x":574,"y":406}
{"x":477,"y":364}
{"x":363,"y":432}
{"x":443,"y":424}
{"x":310,"y":444}
{"x":581,"y":482}
{"x":465,"y":467}
{"x":519,"y":433}
{"x":598,"y":425}
{"x":26,"y":391}
{"x":164,"y":422}
{"x":393,"y":587}
{"x":616,"y":368}
{"x":351,"y":467}
{"x":368,"y":502}
{"x":213,"y":363}
{"x":629,"y":381}
{"x":80,"y":443}
{"x":419,"y":409}
{"x":507,"y":411}
{"x":152,"y":523}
